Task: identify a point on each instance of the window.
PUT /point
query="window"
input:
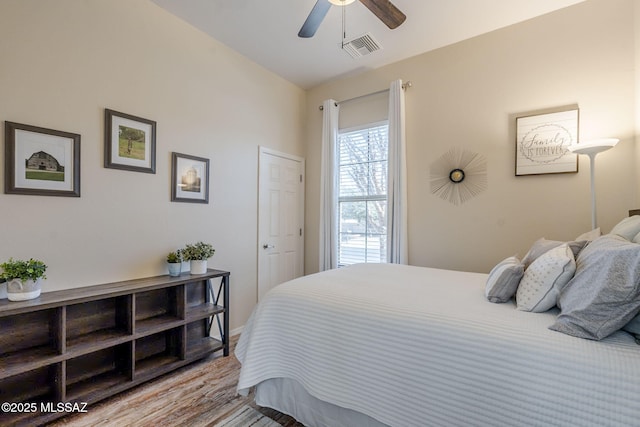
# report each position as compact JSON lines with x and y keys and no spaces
{"x":362,"y":194}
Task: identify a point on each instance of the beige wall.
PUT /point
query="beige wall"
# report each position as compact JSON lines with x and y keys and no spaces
{"x":467,"y":95}
{"x":636,"y":15}
{"x":62,"y":63}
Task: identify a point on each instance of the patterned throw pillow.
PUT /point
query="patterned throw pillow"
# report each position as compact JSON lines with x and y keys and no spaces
{"x":544,"y":279}
{"x":503,"y":280}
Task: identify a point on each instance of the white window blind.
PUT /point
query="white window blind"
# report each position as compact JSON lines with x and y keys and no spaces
{"x":362,"y":194}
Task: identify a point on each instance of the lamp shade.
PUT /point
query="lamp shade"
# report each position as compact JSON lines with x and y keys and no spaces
{"x":593,"y":146}
{"x":341,"y":2}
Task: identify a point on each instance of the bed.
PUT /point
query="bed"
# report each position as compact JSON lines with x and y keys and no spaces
{"x":386,"y":344}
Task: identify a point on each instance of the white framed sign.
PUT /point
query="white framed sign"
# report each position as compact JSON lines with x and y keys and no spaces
{"x":542,"y":142}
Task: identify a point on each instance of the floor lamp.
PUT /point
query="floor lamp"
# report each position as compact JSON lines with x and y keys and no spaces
{"x":591,"y":148}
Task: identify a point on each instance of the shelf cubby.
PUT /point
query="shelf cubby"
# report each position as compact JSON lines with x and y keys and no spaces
{"x":197,"y":293}
{"x":93,"y":374}
{"x":157,"y":310}
{"x":198,"y":340}
{"x":200,"y":303}
{"x":32,"y":386}
{"x":157,"y":352}
{"x":98,"y":324}
{"x":28,"y":341}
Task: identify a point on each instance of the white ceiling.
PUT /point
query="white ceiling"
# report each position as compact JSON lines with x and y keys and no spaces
{"x":266,"y":31}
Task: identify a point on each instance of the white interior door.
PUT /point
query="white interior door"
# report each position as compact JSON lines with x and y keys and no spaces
{"x":280,"y":219}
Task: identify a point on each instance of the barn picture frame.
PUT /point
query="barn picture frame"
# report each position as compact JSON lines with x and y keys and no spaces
{"x":129,"y":142}
{"x":40,"y":161}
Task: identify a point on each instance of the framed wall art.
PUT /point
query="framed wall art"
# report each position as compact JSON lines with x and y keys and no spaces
{"x":189,"y":178}
{"x":542,"y":141}
{"x":129,"y":142}
{"x":42,"y":162}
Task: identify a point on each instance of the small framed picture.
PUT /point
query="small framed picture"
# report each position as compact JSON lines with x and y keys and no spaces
{"x":41,"y":162}
{"x":542,"y":141}
{"x":129,"y":142}
{"x":189,"y":178}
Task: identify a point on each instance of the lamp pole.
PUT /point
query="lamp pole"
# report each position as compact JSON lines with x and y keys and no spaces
{"x":592,"y":162}
{"x":591,"y":149}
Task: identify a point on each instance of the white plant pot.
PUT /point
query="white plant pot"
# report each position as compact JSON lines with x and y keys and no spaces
{"x":22,"y":291}
{"x":198,"y":266}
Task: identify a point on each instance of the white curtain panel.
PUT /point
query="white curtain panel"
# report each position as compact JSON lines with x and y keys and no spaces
{"x":329,"y":187}
{"x":397,"y":247}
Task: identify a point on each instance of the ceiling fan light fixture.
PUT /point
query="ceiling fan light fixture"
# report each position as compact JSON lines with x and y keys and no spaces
{"x":341,"y":2}
{"x":390,"y":15}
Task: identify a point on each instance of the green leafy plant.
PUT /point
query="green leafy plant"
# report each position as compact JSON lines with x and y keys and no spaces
{"x":23,"y":270}
{"x":175,"y":256}
{"x":197,"y":251}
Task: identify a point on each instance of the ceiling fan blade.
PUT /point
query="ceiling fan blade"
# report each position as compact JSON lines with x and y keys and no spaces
{"x":314,"y":19}
{"x":386,"y":12}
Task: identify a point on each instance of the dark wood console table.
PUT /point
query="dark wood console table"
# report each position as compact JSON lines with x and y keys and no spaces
{"x":82,"y":345}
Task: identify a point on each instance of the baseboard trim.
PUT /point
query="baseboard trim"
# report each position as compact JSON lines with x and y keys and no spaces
{"x":233,"y":332}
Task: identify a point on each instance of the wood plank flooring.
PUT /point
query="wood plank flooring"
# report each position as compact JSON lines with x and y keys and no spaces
{"x":200,"y":394}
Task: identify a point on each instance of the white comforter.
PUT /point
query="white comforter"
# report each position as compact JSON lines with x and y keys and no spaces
{"x":413,"y":346}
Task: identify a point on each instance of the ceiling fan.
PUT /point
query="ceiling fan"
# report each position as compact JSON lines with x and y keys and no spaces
{"x":390,"y":15}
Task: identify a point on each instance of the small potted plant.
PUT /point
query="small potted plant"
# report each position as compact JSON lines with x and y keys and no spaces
{"x":24,"y":278}
{"x":197,"y":254}
{"x":174,"y":261}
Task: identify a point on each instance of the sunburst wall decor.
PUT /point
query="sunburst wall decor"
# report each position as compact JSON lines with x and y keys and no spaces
{"x":458,"y":175}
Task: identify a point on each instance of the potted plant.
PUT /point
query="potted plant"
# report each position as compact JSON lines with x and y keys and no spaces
{"x":174,"y":261}
{"x":24,"y":278}
{"x":197,"y":254}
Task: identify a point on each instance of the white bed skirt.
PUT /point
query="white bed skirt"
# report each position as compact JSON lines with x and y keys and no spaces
{"x":289,"y":397}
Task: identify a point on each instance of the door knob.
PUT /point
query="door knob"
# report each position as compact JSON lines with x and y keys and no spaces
{"x":266,"y":246}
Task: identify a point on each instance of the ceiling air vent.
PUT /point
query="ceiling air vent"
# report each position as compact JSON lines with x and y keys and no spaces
{"x":361,"y":46}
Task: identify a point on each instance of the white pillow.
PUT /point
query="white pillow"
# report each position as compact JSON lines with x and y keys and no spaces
{"x":589,"y":235}
{"x":543,"y":245}
{"x":544,"y":279}
{"x":503,"y":280}
{"x":628,"y":227}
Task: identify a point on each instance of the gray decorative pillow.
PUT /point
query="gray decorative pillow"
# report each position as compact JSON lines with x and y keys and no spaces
{"x":503,"y":280}
{"x":604,"y":295}
{"x":543,"y":245}
{"x":544,"y":279}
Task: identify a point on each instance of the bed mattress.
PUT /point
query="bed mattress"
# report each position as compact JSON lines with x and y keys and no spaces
{"x":414,"y":346}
